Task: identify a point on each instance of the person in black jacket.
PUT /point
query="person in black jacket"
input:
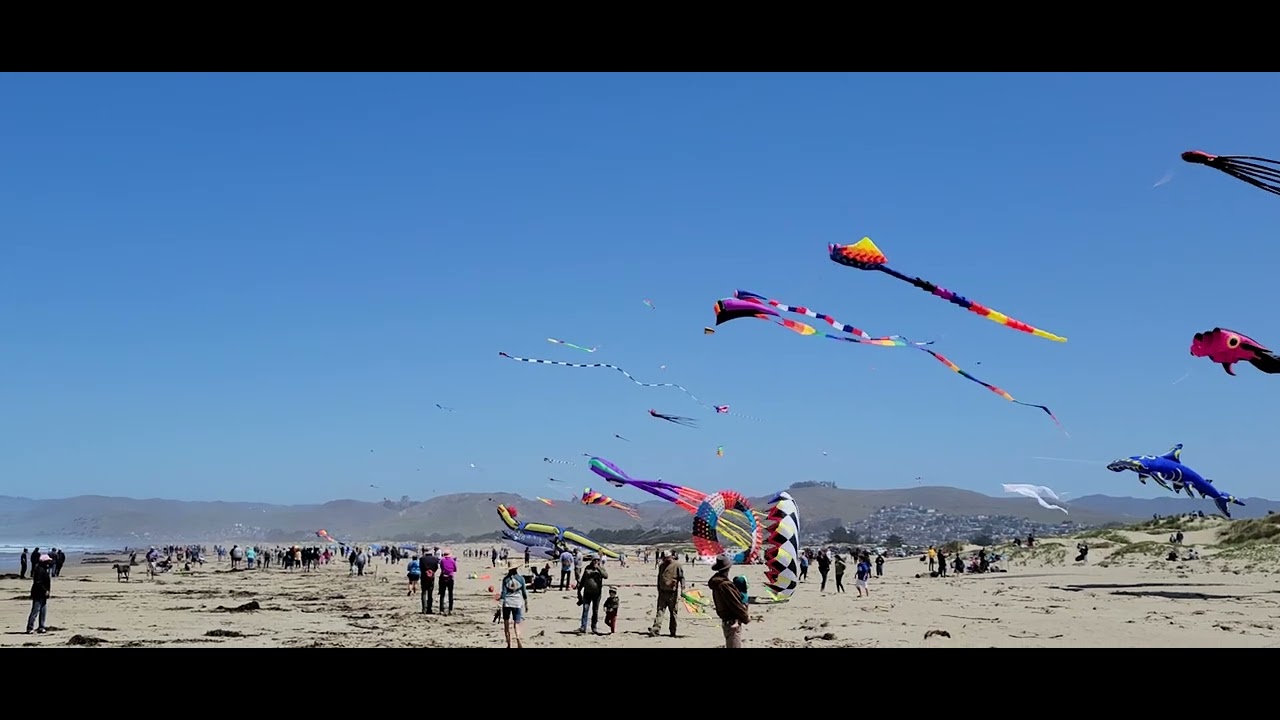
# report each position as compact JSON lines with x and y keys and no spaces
{"x":22,"y":569}
{"x":430,"y":567}
{"x":41,"y":588}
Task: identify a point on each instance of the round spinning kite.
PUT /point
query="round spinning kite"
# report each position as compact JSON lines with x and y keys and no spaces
{"x":708,"y":527}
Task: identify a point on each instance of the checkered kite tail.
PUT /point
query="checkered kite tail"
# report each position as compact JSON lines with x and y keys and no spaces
{"x":611,"y":367}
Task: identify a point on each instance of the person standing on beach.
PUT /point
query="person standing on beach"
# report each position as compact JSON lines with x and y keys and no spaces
{"x":448,"y":568}
{"x":804,"y":568}
{"x":566,"y":569}
{"x":840,"y":567}
{"x":513,"y":599}
{"x":879,"y":564}
{"x":862,"y":576}
{"x":824,"y":567}
{"x":590,"y":592}
{"x":22,"y":568}
{"x":41,"y":589}
{"x":414,"y":573}
{"x":611,"y":607}
{"x":933,"y":558}
{"x":527,"y":556}
{"x":430,"y":566}
{"x":59,"y":559}
{"x":670,"y":585}
{"x":728,"y":600}
{"x":361,"y":561}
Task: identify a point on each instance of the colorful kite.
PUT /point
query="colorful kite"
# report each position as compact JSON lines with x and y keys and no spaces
{"x":545,"y":501}
{"x":569,"y":344}
{"x":737,"y":308}
{"x":707,"y":520}
{"x":720,"y":451}
{"x":748,"y":304}
{"x":724,"y":410}
{"x":694,"y":602}
{"x":591,"y":497}
{"x":782,"y":547}
{"x":677,"y":419}
{"x":1228,"y":347}
{"x":1246,"y":168}
{"x":1038,"y":492}
{"x":685,"y":498}
{"x":324,"y":535}
{"x":541,"y":544}
{"x":864,"y":255}
{"x":554,"y":533}
{"x":625,"y":374}
{"x":650,"y":304}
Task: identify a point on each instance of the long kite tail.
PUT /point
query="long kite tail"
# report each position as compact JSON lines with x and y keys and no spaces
{"x":625,"y":374}
{"x":1002,"y":393}
{"x":724,"y":410}
{"x":1246,"y":168}
{"x":569,"y":344}
{"x":725,"y":314}
{"x":864,"y":255}
{"x":802,"y":310}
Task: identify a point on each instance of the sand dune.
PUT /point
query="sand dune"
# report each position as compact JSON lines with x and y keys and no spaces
{"x":1127,"y":595}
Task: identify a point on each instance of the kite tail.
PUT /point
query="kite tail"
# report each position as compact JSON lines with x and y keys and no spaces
{"x":1246,"y":168}
{"x":973,"y":307}
{"x":1002,"y":393}
{"x":803,"y":329}
{"x":625,"y":374}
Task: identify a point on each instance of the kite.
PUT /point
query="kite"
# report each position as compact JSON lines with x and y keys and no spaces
{"x":324,"y":535}
{"x":558,"y":462}
{"x":1246,"y":168}
{"x":541,"y":543}
{"x":747,"y":304}
{"x":575,"y":347}
{"x":706,"y":522}
{"x":1171,"y":474}
{"x":694,"y":602}
{"x":1038,"y":492}
{"x":736,"y":308}
{"x":555,"y":480}
{"x":992,"y":388}
{"x":720,"y":451}
{"x":552,"y":532}
{"x":708,"y":331}
{"x":677,"y":419}
{"x":864,"y":255}
{"x":611,"y":367}
{"x":650,"y":304}
{"x":442,"y":407}
{"x":545,"y":501}
{"x":591,"y":497}
{"x":620,"y":437}
{"x":724,"y":410}
{"x":685,"y":498}
{"x":782,"y":547}
{"x":1228,"y":347}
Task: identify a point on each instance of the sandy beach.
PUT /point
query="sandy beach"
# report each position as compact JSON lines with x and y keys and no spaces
{"x":1127,"y":595}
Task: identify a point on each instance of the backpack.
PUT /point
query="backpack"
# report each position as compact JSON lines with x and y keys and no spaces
{"x":513,"y":585}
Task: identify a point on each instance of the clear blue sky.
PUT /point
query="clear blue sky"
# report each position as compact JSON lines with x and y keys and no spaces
{"x":237,"y":286}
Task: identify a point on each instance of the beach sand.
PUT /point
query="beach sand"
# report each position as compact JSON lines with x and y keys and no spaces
{"x":1127,"y":595}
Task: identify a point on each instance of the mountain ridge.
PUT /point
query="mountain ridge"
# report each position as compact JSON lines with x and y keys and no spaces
{"x":470,"y":514}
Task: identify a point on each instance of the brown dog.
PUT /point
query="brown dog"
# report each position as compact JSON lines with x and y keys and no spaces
{"x":122,"y":572}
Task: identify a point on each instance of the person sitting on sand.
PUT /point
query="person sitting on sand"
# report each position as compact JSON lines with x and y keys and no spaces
{"x":513,"y":600}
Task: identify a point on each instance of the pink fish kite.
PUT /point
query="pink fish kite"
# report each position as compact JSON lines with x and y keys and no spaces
{"x":1228,"y":347}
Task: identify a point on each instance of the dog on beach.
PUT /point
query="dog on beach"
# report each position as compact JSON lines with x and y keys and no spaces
{"x":122,"y":572}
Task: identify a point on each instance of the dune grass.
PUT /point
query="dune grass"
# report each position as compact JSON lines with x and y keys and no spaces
{"x":1044,"y":551}
{"x":1108,"y":534}
{"x":1250,"y":532}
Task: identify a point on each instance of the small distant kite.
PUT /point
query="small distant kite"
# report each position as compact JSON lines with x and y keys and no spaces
{"x":864,"y":255}
{"x":575,"y":347}
{"x":720,"y":451}
{"x":620,"y":437}
{"x":1039,"y":492}
{"x":591,"y":497}
{"x":558,"y":462}
{"x":708,"y":331}
{"x":625,"y":374}
{"x":1228,"y":347}
{"x":724,"y":410}
{"x":677,"y":419}
{"x":1245,"y":168}
{"x":544,"y":501}
{"x":442,"y":407}
{"x":555,"y":480}
{"x":650,"y":304}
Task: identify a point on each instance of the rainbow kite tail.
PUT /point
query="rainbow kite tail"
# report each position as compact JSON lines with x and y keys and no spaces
{"x":864,"y":255}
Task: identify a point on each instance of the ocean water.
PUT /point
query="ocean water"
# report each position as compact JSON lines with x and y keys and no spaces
{"x":11,"y":551}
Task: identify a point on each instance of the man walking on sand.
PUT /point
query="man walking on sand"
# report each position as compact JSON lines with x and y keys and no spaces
{"x":670,"y":585}
{"x":430,"y":566}
{"x":729,"y":606}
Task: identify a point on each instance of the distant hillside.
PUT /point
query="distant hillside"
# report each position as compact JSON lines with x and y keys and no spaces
{"x":472,"y":514}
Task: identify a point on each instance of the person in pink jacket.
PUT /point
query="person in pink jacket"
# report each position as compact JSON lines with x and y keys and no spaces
{"x":448,"y":568}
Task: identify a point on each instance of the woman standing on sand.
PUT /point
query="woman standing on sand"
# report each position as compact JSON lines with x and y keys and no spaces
{"x":513,"y":600}
{"x":840,"y":566}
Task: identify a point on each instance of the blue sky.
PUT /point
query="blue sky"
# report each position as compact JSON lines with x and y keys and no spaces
{"x":238,"y":286}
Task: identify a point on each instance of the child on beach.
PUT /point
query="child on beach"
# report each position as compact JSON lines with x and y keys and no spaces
{"x":611,"y":610}
{"x":863,"y":574}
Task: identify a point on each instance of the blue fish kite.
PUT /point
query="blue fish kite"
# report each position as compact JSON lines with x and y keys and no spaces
{"x":1171,"y":474}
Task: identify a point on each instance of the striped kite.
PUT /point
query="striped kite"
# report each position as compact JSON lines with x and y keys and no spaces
{"x":591,"y":497}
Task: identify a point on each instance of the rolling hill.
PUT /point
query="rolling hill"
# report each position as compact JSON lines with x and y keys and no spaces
{"x":93,"y":517}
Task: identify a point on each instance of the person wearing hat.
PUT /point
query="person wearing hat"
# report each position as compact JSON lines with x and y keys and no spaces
{"x":611,"y":607}
{"x":590,"y":589}
{"x":448,"y":568}
{"x":670,"y":585}
{"x":728,"y":599}
{"x":41,"y":588}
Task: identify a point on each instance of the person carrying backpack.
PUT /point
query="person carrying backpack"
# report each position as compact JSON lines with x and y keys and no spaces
{"x":513,"y":599}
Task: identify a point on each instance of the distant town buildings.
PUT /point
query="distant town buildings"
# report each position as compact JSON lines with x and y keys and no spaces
{"x":919,"y":527}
